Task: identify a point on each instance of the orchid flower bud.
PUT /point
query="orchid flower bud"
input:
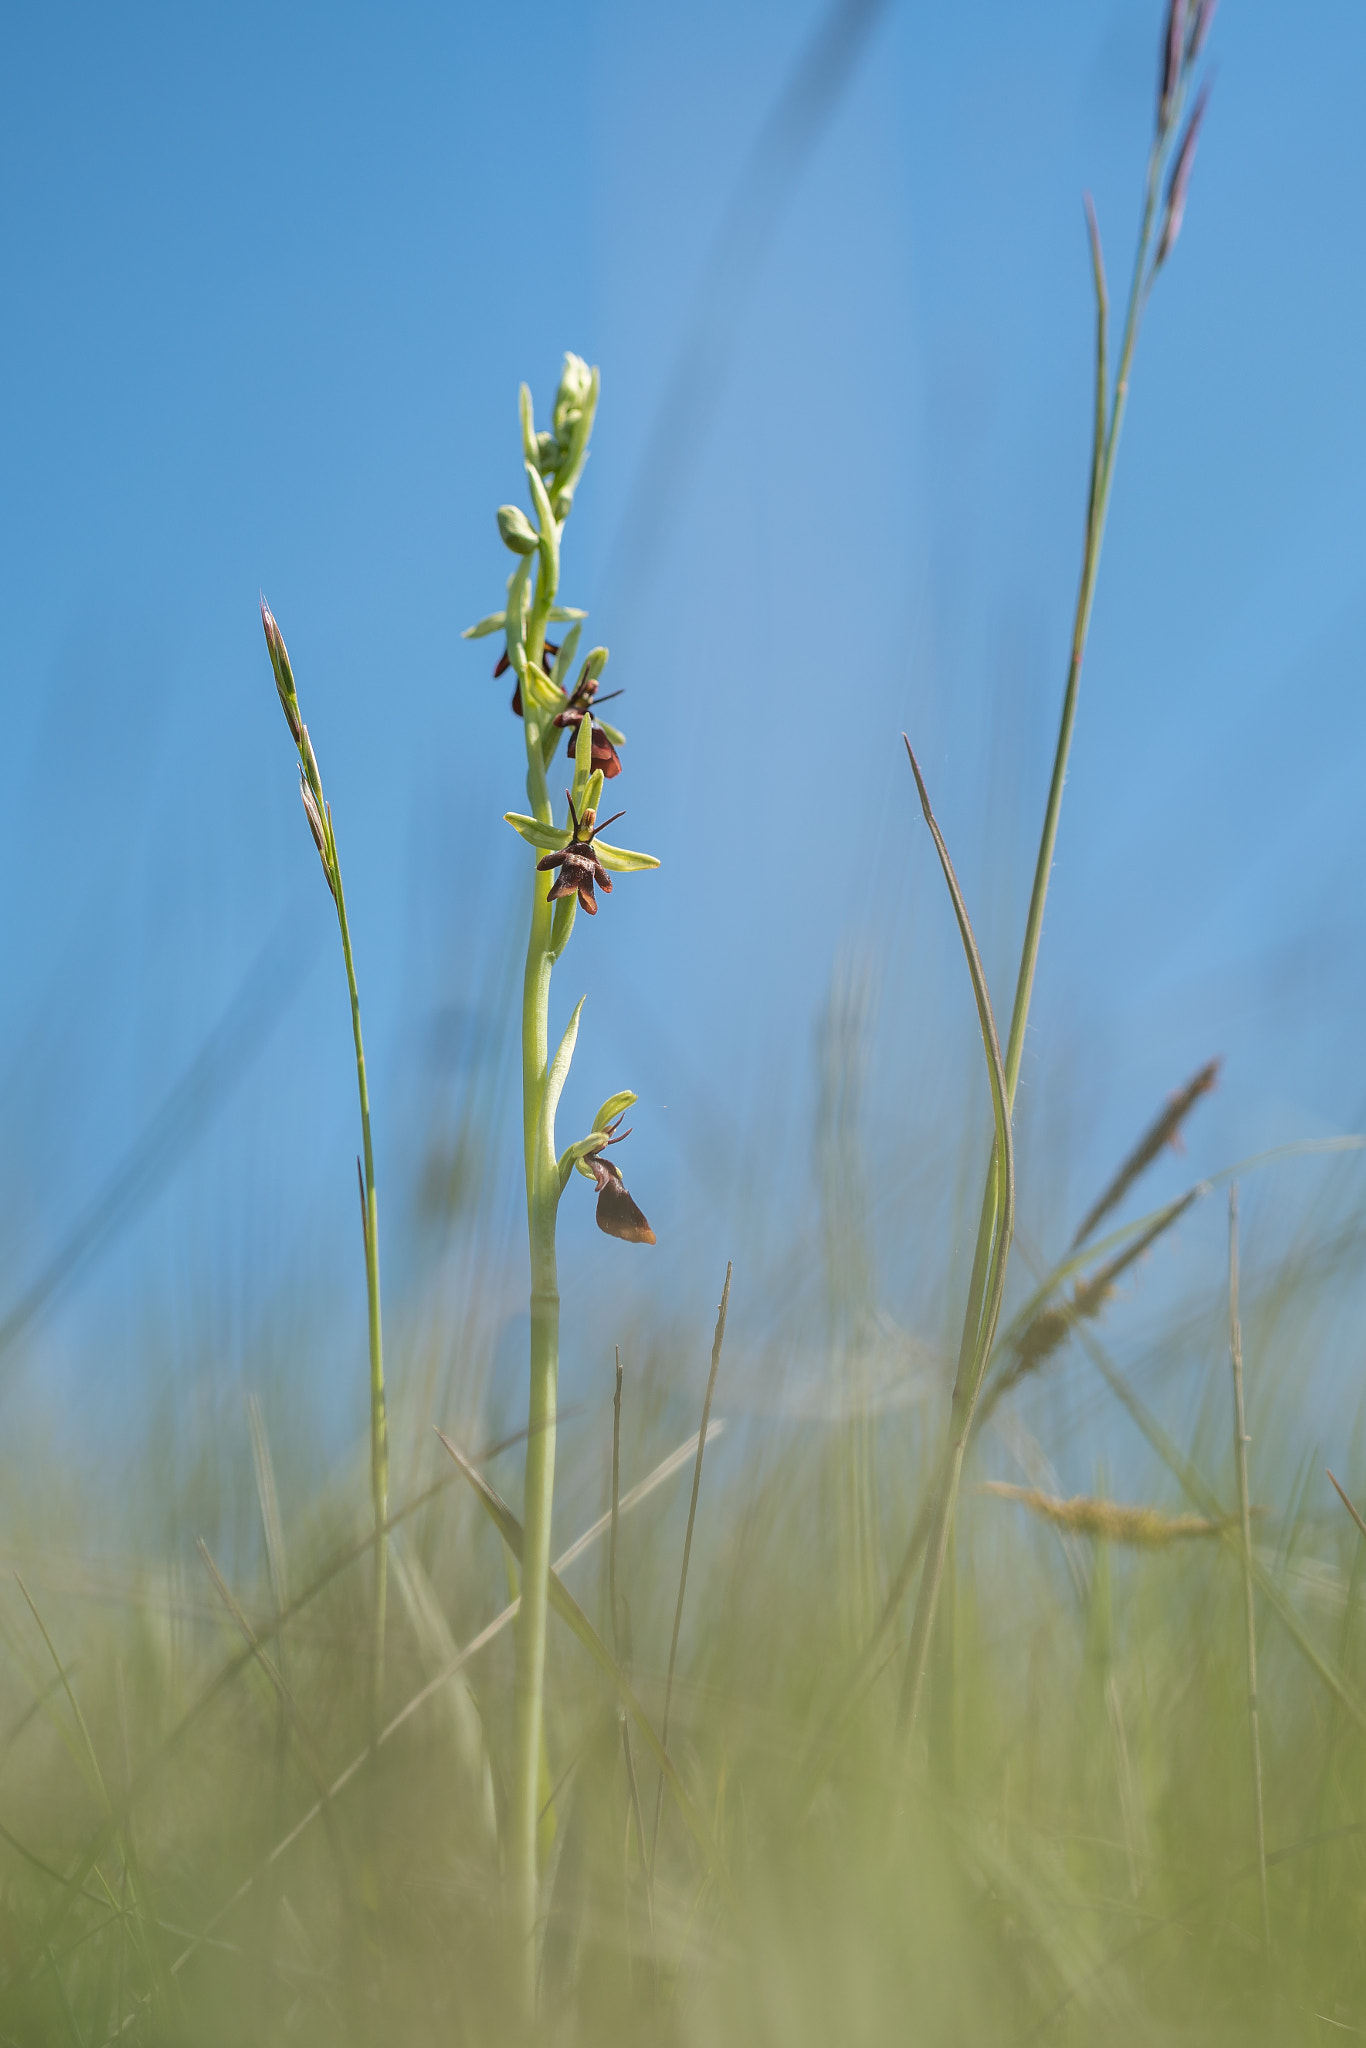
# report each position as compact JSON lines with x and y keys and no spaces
{"x":517,"y":531}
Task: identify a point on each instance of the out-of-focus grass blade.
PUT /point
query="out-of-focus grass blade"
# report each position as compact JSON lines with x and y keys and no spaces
{"x":984,"y":1296}
{"x":574,"y":1618}
{"x":221,"y":1064}
{"x":641,"y":1491}
{"x":1208,"y":1502}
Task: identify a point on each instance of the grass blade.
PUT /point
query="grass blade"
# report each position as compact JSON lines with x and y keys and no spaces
{"x":1240,"y":1444}
{"x":574,"y":1618}
{"x":716,"y":1344}
{"x":979,"y":1330}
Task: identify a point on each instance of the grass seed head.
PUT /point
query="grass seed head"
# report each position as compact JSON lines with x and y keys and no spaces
{"x":284,"y":674}
{"x":1178,"y":185}
{"x":1173,"y":61}
{"x":1145,"y":1528}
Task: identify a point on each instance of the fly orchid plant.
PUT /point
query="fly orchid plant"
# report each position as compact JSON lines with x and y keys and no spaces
{"x":551,"y":700}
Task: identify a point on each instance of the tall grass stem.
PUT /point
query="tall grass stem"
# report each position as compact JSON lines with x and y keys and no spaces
{"x":1240,"y":1444}
{"x":717,"y":1341}
{"x":978,"y":1334}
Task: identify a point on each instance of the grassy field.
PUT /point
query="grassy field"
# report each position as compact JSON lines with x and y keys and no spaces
{"x":1066,"y":1851}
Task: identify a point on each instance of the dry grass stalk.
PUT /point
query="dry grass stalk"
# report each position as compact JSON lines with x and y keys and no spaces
{"x":1144,"y":1527}
{"x":1046,"y":1332}
{"x":1165,"y":1130}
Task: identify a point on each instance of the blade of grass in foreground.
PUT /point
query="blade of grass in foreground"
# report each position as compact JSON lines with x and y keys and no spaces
{"x":574,"y":1618}
{"x":1240,"y":1444}
{"x":717,"y":1341}
{"x":876,"y":1652}
{"x":662,"y":1472}
{"x":623,"y":1657}
{"x":988,"y":1269}
{"x":978,"y":1333}
{"x":1205,"y":1498}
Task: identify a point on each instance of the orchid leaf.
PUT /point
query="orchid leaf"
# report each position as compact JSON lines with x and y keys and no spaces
{"x":558,"y":1074}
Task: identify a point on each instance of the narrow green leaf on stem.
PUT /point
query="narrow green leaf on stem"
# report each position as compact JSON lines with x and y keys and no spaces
{"x":978,"y":1335}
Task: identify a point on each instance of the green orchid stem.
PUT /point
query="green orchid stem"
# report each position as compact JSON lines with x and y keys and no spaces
{"x":542,"y":1204}
{"x":379,"y":1427}
{"x":973,"y":1354}
{"x":542,"y":1191}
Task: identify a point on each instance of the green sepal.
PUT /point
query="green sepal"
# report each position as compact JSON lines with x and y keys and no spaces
{"x":594,"y":662}
{"x":494,"y":623}
{"x":536,"y":685}
{"x":592,"y":796}
{"x":615,"y":1106}
{"x":572,"y":1158}
{"x":566,"y":611}
{"x":545,"y":838}
{"x":613,"y":732}
{"x":562,"y":924}
{"x":619,"y":860}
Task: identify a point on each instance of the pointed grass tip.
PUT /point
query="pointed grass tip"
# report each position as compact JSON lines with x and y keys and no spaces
{"x":1173,"y":56}
{"x":1178,"y":185}
{"x":284,"y":674}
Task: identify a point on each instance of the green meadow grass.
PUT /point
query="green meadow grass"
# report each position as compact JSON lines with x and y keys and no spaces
{"x":1065,"y":1852}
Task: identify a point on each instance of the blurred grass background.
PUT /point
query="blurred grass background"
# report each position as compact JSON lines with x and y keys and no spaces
{"x":1067,"y":1853}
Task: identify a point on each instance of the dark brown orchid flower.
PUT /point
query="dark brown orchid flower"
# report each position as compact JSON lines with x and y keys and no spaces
{"x":579,"y":707}
{"x":618,"y":1215}
{"x":579,"y":866}
{"x":504,"y":663}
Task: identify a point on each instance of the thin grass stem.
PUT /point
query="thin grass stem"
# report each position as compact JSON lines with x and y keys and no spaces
{"x":1240,"y":1444}
{"x":379,"y":1427}
{"x":628,"y":1754}
{"x":978,"y":1334}
{"x":717,"y":1340}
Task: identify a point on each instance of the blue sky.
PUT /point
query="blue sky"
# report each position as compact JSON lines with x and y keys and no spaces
{"x":273,"y":276}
